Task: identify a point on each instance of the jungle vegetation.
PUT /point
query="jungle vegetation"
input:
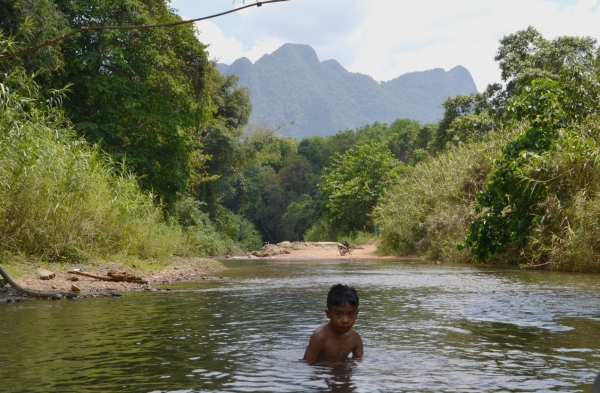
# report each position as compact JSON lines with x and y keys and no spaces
{"x":514,"y":174}
{"x":136,"y":152}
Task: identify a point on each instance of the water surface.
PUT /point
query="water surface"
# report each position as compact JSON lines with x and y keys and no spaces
{"x":425,"y":327}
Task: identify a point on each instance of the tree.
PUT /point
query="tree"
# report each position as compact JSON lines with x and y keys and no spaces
{"x":355,"y":181}
{"x":339,"y":142}
{"x":33,"y":22}
{"x":221,"y":143}
{"x":547,"y":109}
{"x":314,"y":150}
{"x":523,"y":57}
{"x":403,"y":137}
{"x":141,"y":94}
{"x":299,"y":217}
{"x":469,"y":117}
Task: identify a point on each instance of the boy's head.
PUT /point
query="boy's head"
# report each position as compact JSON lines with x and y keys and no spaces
{"x":340,"y":295}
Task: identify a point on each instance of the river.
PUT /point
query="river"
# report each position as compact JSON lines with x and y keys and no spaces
{"x":425,"y":328}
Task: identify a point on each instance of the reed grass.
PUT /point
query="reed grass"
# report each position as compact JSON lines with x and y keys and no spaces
{"x":63,"y":200}
{"x":567,"y":237}
{"x":428,"y":211}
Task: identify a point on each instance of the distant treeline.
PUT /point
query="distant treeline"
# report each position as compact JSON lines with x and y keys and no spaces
{"x":130,"y":145}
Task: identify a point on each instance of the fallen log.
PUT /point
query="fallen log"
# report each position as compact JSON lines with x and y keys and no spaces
{"x":113,"y":276}
{"x":30,"y":292}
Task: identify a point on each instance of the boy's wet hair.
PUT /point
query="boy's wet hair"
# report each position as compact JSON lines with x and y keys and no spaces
{"x":340,"y":294}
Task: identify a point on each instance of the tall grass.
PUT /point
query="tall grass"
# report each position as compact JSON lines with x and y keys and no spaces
{"x":567,"y":236}
{"x":62,"y":199}
{"x":428,"y":211}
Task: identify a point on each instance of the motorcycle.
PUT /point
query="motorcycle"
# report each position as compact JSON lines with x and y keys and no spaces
{"x":343,"y":249}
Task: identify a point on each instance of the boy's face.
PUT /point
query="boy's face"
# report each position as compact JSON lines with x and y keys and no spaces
{"x":342,"y":318}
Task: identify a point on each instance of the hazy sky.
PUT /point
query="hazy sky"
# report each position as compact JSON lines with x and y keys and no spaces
{"x":387,"y":38}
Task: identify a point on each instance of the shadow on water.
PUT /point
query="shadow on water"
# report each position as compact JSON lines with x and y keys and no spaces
{"x":426,"y":328}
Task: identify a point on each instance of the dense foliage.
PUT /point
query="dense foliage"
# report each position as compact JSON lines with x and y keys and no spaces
{"x":143,"y":150}
{"x":530,"y":207}
{"x":427,"y":211}
{"x":355,"y":182}
{"x":139,"y":93}
{"x":61,"y":199}
{"x":552,"y":109}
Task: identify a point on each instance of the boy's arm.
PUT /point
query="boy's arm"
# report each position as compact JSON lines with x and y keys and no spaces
{"x":357,"y":352}
{"x":315,"y":345}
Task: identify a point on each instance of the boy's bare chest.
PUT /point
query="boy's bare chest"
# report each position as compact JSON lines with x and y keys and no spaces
{"x":337,"y":347}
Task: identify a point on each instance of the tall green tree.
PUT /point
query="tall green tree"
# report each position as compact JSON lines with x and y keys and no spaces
{"x":526,"y":55}
{"x":405,"y":138}
{"x":355,"y":181}
{"x":468,"y":118}
{"x":32,"y":22}
{"x":522,"y":57}
{"x":274,"y":182}
{"x":314,"y":150}
{"x":226,"y":155}
{"x":547,"y":108}
{"x":141,"y":94}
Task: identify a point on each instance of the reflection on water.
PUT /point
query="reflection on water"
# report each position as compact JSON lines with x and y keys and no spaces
{"x":425,"y":328}
{"x":334,"y":377}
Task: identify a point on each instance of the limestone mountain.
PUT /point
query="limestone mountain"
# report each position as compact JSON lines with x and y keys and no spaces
{"x":293,"y":90}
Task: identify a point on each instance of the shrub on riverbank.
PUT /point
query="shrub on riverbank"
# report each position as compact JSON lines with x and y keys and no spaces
{"x":566,"y":235}
{"x":61,"y":199}
{"x":428,"y":211}
{"x":323,"y":231}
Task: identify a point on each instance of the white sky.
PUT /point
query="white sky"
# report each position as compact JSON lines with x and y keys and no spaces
{"x":387,"y":38}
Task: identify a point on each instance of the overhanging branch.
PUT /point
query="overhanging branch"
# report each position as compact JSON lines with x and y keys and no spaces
{"x":91,"y":28}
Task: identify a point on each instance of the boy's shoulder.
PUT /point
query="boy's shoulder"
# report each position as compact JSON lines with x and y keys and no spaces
{"x":322,"y":330}
{"x":354,"y":335}
{"x":326,"y":329}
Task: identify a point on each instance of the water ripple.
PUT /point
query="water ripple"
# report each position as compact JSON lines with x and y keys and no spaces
{"x":425,"y":327}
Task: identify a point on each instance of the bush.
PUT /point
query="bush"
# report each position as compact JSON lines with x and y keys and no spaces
{"x":62,"y":199}
{"x":566,"y":235}
{"x":240,"y":232}
{"x":198,"y":234}
{"x":427,"y":211}
{"x":321,"y":231}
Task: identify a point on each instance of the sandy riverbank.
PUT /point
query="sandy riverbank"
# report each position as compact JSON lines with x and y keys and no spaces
{"x":180,"y":270}
{"x":326,"y":251}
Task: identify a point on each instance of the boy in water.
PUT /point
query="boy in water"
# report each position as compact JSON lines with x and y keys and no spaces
{"x":336,"y":339}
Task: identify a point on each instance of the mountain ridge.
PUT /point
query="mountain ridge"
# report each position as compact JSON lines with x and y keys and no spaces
{"x":292,"y":90}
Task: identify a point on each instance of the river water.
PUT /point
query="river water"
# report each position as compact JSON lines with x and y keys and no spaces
{"x":425,"y":328}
